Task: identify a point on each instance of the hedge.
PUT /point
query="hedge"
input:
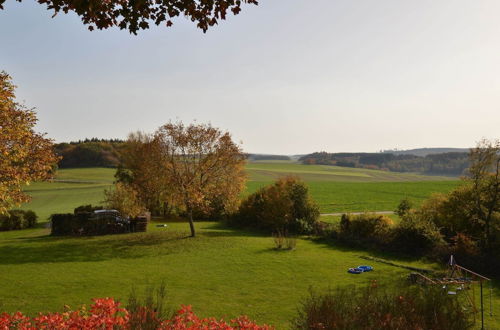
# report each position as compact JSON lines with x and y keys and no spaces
{"x":17,"y":219}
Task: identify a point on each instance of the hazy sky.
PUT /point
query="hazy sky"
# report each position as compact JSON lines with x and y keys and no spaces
{"x":287,"y":76}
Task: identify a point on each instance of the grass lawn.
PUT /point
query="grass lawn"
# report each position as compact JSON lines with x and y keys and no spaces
{"x":223,"y":272}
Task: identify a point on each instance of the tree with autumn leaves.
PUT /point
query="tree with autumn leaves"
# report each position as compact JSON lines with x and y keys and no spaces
{"x":194,"y":168}
{"x":25,"y":155}
{"x":139,"y":15}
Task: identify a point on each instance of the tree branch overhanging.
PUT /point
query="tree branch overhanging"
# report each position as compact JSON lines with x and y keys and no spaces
{"x":136,"y":15}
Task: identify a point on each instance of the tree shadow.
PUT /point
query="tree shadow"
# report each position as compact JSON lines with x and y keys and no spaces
{"x":44,"y":248}
{"x":49,"y":249}
{"x":337,"y":245}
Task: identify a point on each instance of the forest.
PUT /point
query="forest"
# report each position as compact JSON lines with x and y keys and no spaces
{"x":448,"y":163}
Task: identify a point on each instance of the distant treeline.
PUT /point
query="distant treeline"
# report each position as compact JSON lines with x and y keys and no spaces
{"x":106,"y":153}
{"x":448,"y":163}
{"x":90,"y":153}
{"x":266,"y":157}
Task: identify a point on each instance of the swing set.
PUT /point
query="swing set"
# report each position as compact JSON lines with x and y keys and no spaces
{"x":460,"y":279}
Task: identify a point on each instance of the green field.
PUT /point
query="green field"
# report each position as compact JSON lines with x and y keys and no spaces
{"x":223,"y":272}
{"x":71,"y":188}
{"x":342,"y":189}
{"x":335,"y":189}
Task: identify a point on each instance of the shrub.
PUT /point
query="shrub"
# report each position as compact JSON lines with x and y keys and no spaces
{"x":124,"y":199}
{"x":17,"y":219}
{"x":282,"y":206}
{"x":416,"y":236}
{"x":403,"y":207}
{"x":149,"y":312}
{"x":365,"y":229}
{"x":106,"y":313}
{"x":282,"y":241}
{"x":375,"y":307}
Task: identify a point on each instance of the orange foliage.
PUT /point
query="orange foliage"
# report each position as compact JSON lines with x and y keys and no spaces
{"x":24,"y":154}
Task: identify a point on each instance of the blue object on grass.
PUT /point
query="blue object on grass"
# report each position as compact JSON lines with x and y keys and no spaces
{"x":366,"y":268}
{"x":355,"y":270}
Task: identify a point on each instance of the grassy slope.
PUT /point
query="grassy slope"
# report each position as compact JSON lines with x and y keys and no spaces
{"x":223,"y":272}
{"x":72,"y":187}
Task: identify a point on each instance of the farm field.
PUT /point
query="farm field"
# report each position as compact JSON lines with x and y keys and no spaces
{"x":333,"y":188}
{"x":223,"y":272}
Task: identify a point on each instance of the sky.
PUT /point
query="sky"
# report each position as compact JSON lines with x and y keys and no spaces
{"x":284,"y":77}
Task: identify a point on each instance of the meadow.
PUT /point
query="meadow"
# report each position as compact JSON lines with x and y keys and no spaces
{"x":223,"y":272}
{"x":335,"y":189}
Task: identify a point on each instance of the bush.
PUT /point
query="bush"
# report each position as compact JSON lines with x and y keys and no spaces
{"x":148,"y":313}
{"x":365,"y":229}
{"x":282,"y":241}
{"x":106,"y":313}
{"x":18,"y":219}
{"x":124,"y":199}
{"x":376,"y":307}
{"x":403,"y":207}
{"x":416,"y":236}
{"x":282,"y":206}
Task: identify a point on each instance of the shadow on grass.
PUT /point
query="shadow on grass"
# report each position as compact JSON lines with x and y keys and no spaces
{"x":336,"y":245}
{"x":46,"y":249}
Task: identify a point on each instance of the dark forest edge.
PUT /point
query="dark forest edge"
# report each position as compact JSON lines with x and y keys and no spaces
{"x":97,"y":152}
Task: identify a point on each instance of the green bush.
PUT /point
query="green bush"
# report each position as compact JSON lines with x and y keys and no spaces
{"x":18,"y":219}
{"x":403,"y":207}
{"x":375,"y":307}
{"x":283,"y":206}
{"x":416,"y":236}
{"x":365,"y":229}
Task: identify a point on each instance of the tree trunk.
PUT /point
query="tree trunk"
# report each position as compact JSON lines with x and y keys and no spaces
{"x":191,"y":223}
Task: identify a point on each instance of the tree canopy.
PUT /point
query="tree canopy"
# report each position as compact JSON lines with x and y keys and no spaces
{"x":139,"y":15}
{"x":195,"y":169}
{"x":203,"y":165}
{"x":24,"y":154}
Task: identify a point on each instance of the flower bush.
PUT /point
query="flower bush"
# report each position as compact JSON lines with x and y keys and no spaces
{"x":106,"y":313}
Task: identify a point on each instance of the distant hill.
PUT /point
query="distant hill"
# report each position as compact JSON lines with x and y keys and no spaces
{"x":424,"y":151}
{"x":446,"y":163}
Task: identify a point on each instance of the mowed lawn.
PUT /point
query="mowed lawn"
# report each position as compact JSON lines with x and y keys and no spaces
{"x":223,"y":272}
